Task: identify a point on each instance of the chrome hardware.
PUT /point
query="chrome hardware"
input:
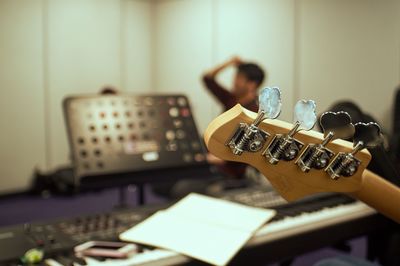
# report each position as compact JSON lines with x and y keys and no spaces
{"x":335,"y":125}
{"x":286,"y":147}
{"x":367,"y":135}
{"x":250,"y":138}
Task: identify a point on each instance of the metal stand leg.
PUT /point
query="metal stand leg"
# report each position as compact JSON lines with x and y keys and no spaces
{"x":140,"y":194}
{"x":122,"y":198}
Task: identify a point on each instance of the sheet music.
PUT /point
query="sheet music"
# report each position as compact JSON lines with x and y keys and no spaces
{"x":205,"y":228}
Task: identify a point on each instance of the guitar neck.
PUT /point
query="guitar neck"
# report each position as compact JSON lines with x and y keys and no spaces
{"x":379,"y":194}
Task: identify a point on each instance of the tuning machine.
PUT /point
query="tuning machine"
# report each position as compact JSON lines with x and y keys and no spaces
{"x":286,"y":147}
{"x":334,"y":125}
{"x":251,"y":138}
{"x":367,"y":135}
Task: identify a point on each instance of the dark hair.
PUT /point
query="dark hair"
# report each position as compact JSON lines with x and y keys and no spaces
{"x":108,"y":90}
{"x":252,"y":72}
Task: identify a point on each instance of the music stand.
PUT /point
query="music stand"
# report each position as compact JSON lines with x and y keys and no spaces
{"x":124,"y":139}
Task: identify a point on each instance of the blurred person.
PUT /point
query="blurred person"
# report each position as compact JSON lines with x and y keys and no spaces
{"x":246,"y":83}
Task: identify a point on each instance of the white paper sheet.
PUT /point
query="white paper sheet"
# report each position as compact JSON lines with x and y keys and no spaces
{"x":145,"y":257}
{"x":205,"y":228}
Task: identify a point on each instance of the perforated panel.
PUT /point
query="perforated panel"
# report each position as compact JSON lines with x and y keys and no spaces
{"x":125,"y":133}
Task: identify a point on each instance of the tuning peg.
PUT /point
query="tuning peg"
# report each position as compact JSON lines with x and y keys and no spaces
{"x":335,"y":125}
{"x":304,"y":113}
{"x":304,"y":116}
{"x":250,"y":138}
{"x":269,"y":104}
{"x":285,"y":146}
{"x":367,"y":135}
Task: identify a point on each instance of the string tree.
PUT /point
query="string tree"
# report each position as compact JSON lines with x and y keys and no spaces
{"x":335,"y":125}
{"x":285,"y":146}
{"x":249,"y":137}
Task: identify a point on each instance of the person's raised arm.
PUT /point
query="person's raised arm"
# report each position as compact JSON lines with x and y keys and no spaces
{"x":223,"y":95}
{"x":234,"y":61}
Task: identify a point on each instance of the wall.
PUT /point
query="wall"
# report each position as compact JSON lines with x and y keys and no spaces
{"x":323,"y":50}
{"x":183,"y":50}
{"x":22,"y":112}
{"x":313,"y":49}
{"x":259,"y":31}
{"x":50,"y":49}
{"x":350,"y":50}
{"x":194,"y":35}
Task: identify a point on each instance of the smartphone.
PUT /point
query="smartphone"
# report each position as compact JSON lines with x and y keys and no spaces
{"x":106,"y":249}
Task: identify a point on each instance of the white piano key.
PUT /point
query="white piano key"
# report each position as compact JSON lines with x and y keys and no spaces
{"x":310,"y":221}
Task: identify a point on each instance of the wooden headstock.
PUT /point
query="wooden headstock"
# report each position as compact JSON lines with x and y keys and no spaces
{"x":285,"y":176}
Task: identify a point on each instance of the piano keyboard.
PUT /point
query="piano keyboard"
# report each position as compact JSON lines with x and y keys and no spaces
{"x":310,"y":221}
{"x":292,"y":219}
{"x":298,"y":217}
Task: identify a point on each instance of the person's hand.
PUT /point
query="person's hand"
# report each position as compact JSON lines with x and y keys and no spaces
{"x":236,"y":60}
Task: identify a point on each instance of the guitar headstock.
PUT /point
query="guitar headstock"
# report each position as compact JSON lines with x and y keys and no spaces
{"x":296,"y":160}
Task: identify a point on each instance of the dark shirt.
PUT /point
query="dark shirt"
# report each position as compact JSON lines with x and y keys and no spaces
{"x":228,"y":100}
